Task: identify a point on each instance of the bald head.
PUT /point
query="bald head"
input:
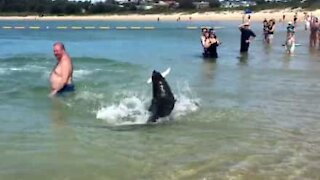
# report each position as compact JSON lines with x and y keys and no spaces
{"x":59,"y":45}
{"x":58,"y":50}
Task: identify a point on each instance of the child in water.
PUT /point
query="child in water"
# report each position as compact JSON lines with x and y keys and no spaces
{"x":290,"y":27}
{"x":290,"y":43}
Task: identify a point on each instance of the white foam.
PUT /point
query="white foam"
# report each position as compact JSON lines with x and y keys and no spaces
{"x":132,"y":109}
{"x":88,"y":96}
{"x":185,"y":105}
{"x":79,"y":73}
{"x":17,"y":69}
{"x":31,"y":68}
{"x":3,"y":71}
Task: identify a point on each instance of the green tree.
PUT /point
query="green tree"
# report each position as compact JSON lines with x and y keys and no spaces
{"x":58,"y":6}
{"x":186,"y":4}
{"x":72,"y":8}
{"x":214,"y":3}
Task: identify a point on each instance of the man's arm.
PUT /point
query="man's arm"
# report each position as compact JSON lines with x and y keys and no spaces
{"x":241,"y":26}
{"x":253,"y":34}
{"x":65,"y":66}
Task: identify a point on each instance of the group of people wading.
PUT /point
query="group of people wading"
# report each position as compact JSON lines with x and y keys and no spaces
{"x":210,"y":41}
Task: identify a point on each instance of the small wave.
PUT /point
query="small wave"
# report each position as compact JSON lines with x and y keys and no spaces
{"x":29,"y":68}
{"x":88,"y":96}
{"x":81,"y":72}
{"x":3,"y":71}
{"x":133,"y":109}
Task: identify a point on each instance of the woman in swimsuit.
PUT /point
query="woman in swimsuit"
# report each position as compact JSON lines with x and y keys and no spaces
{"x":290,"y":43}
{"x":271,"y":29}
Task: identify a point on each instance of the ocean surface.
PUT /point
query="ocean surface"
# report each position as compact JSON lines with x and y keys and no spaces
{"x":237,"y":117}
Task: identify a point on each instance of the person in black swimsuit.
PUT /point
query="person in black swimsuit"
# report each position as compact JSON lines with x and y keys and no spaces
{"x":265,"y":29}
{"x":246,"y":35}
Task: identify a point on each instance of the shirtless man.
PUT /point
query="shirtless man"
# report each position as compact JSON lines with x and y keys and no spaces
{"x":61,"y":75}
{"x":314,"y":28}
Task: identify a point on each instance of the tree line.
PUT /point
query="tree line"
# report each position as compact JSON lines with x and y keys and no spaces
{"x":78,"y":7}
{"x":49,"y":6}
{"x":61,"y":7}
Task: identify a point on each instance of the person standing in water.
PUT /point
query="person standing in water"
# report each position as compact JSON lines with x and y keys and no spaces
{"x":246,"y":36}
{"x":265,"y":29}
{"x":61,"y":75}
{"x":203,"y":36}
{"x":211,"y":44}
{"x":314,"y":28}
{"x":271,"y":28}
{"x":290,"y":43}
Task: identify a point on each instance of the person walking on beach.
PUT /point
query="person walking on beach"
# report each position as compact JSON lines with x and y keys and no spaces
{"x":61,"y":75}
{"x":246,"y":36}
{"x":295,"y":18}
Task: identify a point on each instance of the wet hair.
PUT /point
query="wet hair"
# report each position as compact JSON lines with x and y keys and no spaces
{"x":204,"y":29}
{"x":59,"y":44}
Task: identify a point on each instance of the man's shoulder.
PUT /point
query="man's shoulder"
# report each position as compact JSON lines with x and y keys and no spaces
{"x":66,"y":57}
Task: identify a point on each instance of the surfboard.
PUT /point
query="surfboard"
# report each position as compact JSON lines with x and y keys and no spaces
{"x":295,"y":44}
{"x":164,"y":74}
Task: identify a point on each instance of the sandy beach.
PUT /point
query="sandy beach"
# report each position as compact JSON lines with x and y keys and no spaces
{"x":222,"y":15}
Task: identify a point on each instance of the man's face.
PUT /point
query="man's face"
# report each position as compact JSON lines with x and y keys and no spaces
{"x":58,"y":52}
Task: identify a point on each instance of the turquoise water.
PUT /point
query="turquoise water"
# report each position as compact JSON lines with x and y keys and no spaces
{"x":254,"y":117}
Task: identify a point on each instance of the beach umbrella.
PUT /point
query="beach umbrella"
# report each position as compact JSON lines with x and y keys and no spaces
{"x":247,"y":11}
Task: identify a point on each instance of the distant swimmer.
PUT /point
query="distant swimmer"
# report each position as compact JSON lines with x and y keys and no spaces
{"x":246,"y":36}
{"x":61,"y":75}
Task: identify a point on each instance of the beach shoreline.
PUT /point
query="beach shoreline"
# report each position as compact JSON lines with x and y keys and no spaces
{"x":206,"y":16}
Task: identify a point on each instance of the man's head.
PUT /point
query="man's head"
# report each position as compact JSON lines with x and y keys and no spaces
{"x":204,"y":30}
{"x":58,"y":50}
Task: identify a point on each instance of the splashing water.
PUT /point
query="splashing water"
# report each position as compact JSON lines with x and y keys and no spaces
{"x":134,"y":109}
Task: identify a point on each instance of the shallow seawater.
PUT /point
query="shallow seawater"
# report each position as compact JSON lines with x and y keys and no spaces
{"x":238,"y":117}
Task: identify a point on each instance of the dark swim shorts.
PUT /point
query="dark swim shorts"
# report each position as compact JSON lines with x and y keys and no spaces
{"x":66,"y":88}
